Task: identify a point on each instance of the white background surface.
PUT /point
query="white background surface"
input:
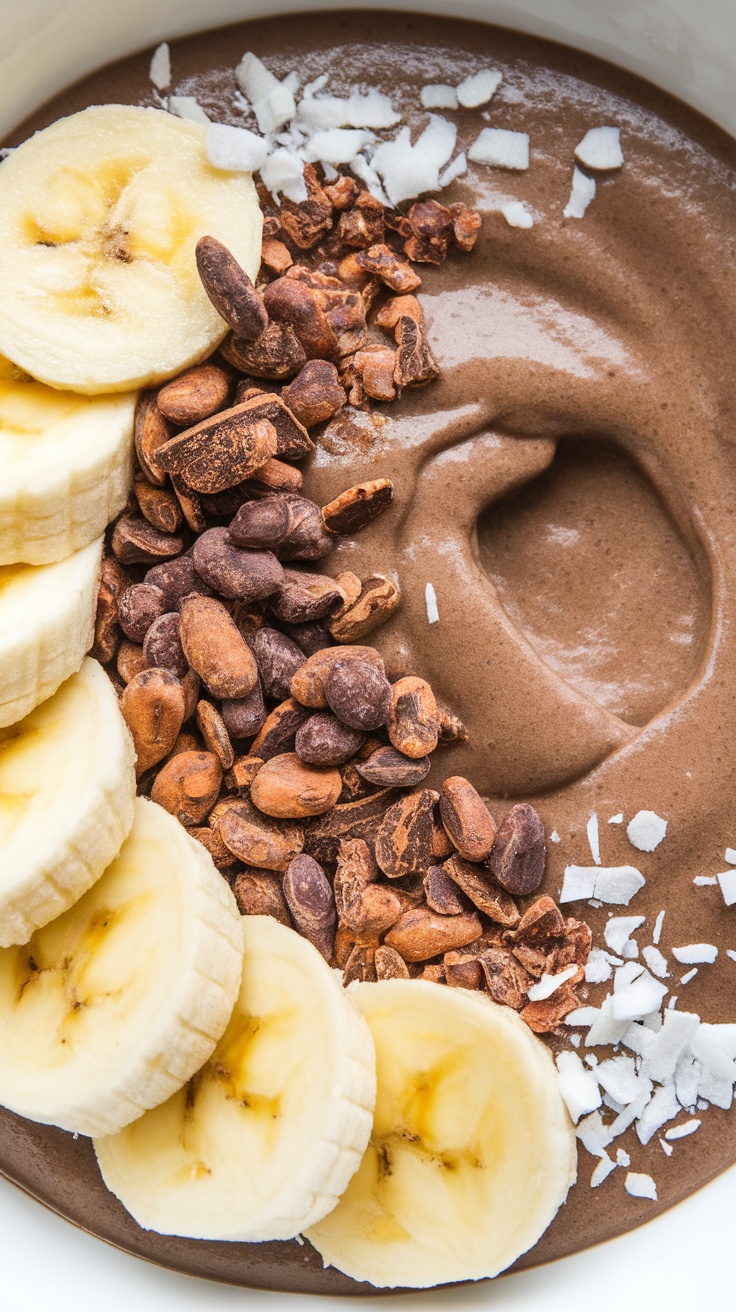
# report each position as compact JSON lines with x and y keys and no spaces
{"x":683,"y":1261}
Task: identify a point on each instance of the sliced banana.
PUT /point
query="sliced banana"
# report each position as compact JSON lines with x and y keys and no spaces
{"x":265,"y":1138}
{"x":47,"y":620}
{"x":67,"y":791}
{"x":66,"y":466}
{"x":112,"y":1007}
{"x":99,"y":217}
{"x":472,"y":1150}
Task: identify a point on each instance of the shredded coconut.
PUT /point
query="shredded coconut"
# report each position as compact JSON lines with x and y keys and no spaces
{"x":594,"y":838}
{"x":455,"y":169}
{"x":657,"y":931}
{"x":681,"y":1131}
{"x":702,"y":881}
{"x":602,"y":1171}
{"x":618,"y":931}
{"x":695,"y":953}
{"x":579,"y":1088}
{"x":501,"y":148}
{"x":516,"y":214}
{"x":430,"y":597}
{"x":646,"y":830}
{"x":640,"y":1186}
{"x":549,"y":984}
{"x":685,"y":979}
{"x":582,"y":192}
{"x":235,"y":149}
{"x":730,"y":856}
{"x":438,"y":95}
{"x":600,"y":148}
{"x":666,"y":1148}
{"x":611,"y":884}
{"x":727,"y":881}
{"x":617,"y":819}
{"x":656,"y":962}
{"x":160,"y":69}
{"x":478,"y":89}
{"x":189,"y":108}
{"x":337,"y":145}
{"x":283,"y":174}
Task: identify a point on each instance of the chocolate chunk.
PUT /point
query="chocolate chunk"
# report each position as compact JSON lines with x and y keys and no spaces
{"x":414,"y":723}
{"x":233,"y":572}
{"x":323,"y":740}
{"x":278,"y":660}
{"x":359,"y":694}
{"x":483,"y":892}
{"x":279,"y":729}
{"x":382,"y":261}
{"x":404,"y":838}
{"x":135,"y":541}
{"x":259,"y":893}
{"x":305,"y":597}
{"x":244,"y":716}
{"x":221,"y":451}
{"x":388,"y":768}
{"x":358,"y":506}
{"x":162,"y":645}
{"x":194,"y":395}
{"x":466,"y":818}
{"x":288,"y":789}
{"x":519,"y":851}
{"x":311,"y":902}
{"x":230,"y":289}
{"x":138,"y":607}
{"x":215,"y":650}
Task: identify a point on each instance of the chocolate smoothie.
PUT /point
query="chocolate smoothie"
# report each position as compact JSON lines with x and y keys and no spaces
{"x":568,"y":488}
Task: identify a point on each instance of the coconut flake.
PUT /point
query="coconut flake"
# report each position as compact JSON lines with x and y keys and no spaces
{"x":703,"y":881}
{"x":600,"y":148}
{"x":667,"y":1148}
{"x":657,"y":931}
{"x":283,"y":174}
{"x":646,"y":830}
{"x":622,"y":1157}
{"x":235,"y":149}
{"x":602,"y":1171}
{"x":630,"y":1114}
{"x":362,"y":169}
{"x":661,"y":1108}
{"x":516,"y":214}
{"x":727,"y":881}
{"x":593,"y":1134}
{"x":549,"y":984}
{"x":730,"y":953}
{"x":555,"y":837}
{"x":455,"y":169}
{"x":633,"y":999}
{"x":594,"y":839}
{"x":685,"y":979}
{"x":438,"y":95}
{"x":578,"y":1087}
{"x":276,"y":109}
{"x":160,"y":68}
{"x":599,"y":966}
{"x":617,"y":819}
{"x":637,"y":1038}
{"x":337,"y":145}
{"x":619,"y":1078}
{"x":430,"y":598}
{"x":606,"y":1028}
{"x":479,"y":88}
{"x":664,"y":1052}
{"x":695,"y":954}
{"x":407,"y":170}
{"x":582,"y":192}
{"x":255,"y":81}
{"x":619,"y":929}
{"x":656,"y":962}
{"x":501,"y":148}
{"x":730,"y":856}
{"x":188,"y":108}
{"x":681,"y":1131}
{"x":640,"y":1186}
{"x":370,"y":110}
{"x":611,"y":884}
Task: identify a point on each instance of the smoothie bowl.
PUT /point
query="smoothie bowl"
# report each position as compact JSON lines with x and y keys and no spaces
{"x":366,"y":407}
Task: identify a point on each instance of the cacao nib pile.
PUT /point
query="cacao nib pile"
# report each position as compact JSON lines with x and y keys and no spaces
{"x":260,"y":719}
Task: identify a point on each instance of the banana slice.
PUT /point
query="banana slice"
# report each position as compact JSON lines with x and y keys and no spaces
{"x":112,"y":1007}
{"x":99,"y":217}
{"x":47,"y":621}
{"x":472,"y":1150}
{"x":66,"y":467}
{"x":264,"y":1140}
{"x":67,"y":791}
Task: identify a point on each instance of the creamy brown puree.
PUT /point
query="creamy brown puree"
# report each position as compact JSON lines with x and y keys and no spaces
{"x":569,"y":488}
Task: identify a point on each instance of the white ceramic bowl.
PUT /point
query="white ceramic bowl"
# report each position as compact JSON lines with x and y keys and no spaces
{"x":683,"y":1259}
